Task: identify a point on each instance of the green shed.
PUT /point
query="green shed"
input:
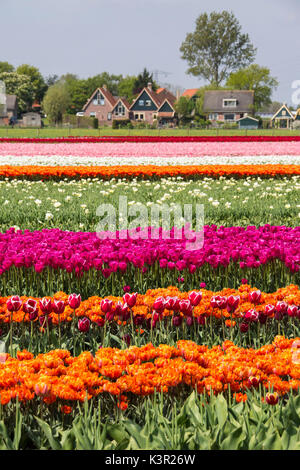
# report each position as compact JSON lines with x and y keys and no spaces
{"x":248,"y":122}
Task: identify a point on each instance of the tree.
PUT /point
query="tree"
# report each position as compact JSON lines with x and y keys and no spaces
{"x":142,"y":81}
{"x":217,"y":47}
{"x":51,"y":79}
{"x":56,"y":102}
{"x":184,"y":107}
{"x":254,"y":78}
{"x":21,"y":86}
{"x":38,"y":83}
{"x":126,"y":87}
{"x":6,"y":67}
{"x":111,"y":81}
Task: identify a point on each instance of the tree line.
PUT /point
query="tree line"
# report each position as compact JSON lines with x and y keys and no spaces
{"x":217,"y":51}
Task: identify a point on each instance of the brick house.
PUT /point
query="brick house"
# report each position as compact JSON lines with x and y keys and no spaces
{"x":100,"y":105}
{"x":150,"y":106}
{"x":228,"y":105}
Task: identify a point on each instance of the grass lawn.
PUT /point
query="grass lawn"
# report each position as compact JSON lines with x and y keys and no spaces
{"x":48,"y":132}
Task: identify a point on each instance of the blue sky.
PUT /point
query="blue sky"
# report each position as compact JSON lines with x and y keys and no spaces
{"x":87,"y":37}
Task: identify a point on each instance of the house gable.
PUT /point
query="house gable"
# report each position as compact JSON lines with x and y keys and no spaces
{"x":166,"y":108}
{"x":283,"y":113}
{"x":144,"y":102}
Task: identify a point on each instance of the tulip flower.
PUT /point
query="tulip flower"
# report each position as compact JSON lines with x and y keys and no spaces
{"x":232,"y":303}
{"x":30,"y":306}
{"x":177,"y":320}
{"x":244,"y":327}
{"x":46,"y":305}
{"x":130,"y":299}
{"x":41,"y":389}
{"x":58,"y":306}
{"x":74,"y":301}
{"x":106,"y":305}
{"x":251,"y":316}
{"x":84,"y":324}
{"x":186,"y":307}
{"x":269,"y":309}
{"x":255,"y":296}
{"x":195,"y":298}
{"x":159,"y":304}
{"x":217,"y":301}
{"x":172,"y":303}
{"x":292,"y":311}
{"x":272,"y":398}
{"x":126,"y":289}
{"x":253,"y":381}
{"x":14,"y":303}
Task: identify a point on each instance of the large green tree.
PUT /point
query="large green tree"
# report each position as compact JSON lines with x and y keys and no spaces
{"x":142,"y":81}
{"x":126,"y":87}
{"x":6,"y":67}
{"x":56,"y":102}
{"x":254,"y":78}
{"x":37,"y":80}
{"x":217,"y":47}
{"x":21,"y":86}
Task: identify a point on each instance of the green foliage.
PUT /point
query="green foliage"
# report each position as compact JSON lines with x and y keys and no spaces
{"x":254,"y":78}
{"x":56,"y":102}
{"x":142,"y":81}
{"x":21,"y":86}
{"x":122,"y":124}
{"x":217,"y":47}
{"x":126,"y":87}
{"x":37,"y":81}
{"x":6,"y":67}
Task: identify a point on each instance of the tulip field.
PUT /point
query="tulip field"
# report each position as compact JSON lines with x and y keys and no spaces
{"x":140,"y":338}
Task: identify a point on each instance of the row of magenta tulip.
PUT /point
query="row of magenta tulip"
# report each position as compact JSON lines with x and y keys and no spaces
{"x":89,"y":139}
{"x":48,"y":261}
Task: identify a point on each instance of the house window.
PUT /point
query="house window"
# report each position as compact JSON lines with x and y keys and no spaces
{"x":229,"y":103}
{"x":120,"y":111}
{"x":109,"y":116}
{"x":141,"y":117}
{"x":229,"y":117}
{"x":92,"y":114}
{"x":148,"y":102}
{"x":283,"y":113}
{"x":213,"y":117}
{"x":141,"y":102}
{"x":136,"y":117}
{"x":98,"y":99}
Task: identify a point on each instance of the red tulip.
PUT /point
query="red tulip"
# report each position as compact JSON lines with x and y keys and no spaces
{"x":232,"y":303}
{"x":84,"y":324}
{"x":159,"y":304}
{"x":46,"y":305}
{"x":255,"y":296}
{"x":251,"y":316}
{"x":292,"y":310}
{"x":244,"y":327}
{"x":30,"y":306}
{"x":195,"y":298}
{"x":130,"y":299}
{"x":106,"y":305}
{"x":269,"y":309}
{"x":172,"y":303}
{"x":272,"y":398}
{"x":58,"y":306}
{"x":74,"y":300}
{"x":217,"y":301}
{"x":14,"y":303}
{"x":186,"y":307}
{"x":253,"y":381}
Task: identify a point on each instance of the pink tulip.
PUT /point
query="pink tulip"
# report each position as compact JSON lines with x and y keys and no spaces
{"x":159,"y":304}
{"x":130,"y":299}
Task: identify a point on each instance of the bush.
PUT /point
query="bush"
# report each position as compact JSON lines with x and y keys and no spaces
{"x":95,"y":123}
{"x":78,"y":121}
{"x":121,"y":124}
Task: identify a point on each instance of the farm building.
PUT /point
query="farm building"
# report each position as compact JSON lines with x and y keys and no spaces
{"x":283,"y":118}
{"x":248,"y":122}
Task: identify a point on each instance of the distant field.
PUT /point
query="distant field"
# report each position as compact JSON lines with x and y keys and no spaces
{"x":47,"y":132}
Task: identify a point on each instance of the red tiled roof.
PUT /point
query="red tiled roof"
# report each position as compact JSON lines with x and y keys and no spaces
{"x":190,"y":92}
{"x":106,"y":93}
